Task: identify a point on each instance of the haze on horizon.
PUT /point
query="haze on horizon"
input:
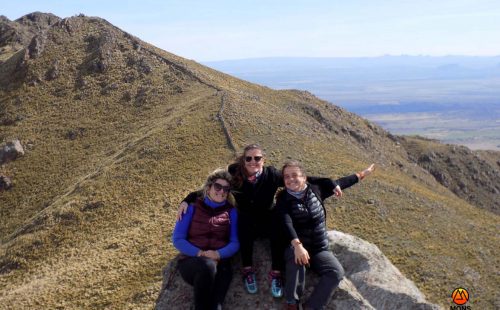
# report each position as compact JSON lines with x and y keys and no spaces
{"x":223,"y":29}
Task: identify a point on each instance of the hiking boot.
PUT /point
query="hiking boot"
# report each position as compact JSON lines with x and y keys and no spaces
{"x":276,"y":284}
{"x":250,"y":280}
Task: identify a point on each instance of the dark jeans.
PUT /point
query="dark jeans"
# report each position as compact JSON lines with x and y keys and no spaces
{"x":263,"y":226}
{"x":210,"y":280}
{"x":323,"y":263}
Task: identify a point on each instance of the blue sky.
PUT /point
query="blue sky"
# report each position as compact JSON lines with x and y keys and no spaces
{"x":236,"y":29}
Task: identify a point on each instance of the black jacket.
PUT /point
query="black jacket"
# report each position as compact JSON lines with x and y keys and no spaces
{"x":305,"y":218}
{"x":256,"y":199}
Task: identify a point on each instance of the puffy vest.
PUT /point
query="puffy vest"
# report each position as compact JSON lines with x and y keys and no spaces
{"x":210,"y":228}
{"x":309,"y":220}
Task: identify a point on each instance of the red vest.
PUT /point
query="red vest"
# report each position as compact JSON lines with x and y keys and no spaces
{"x":210,"y":228}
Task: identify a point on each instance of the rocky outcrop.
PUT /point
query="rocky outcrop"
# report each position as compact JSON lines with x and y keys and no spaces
{"x":21,"y":31}
{"x":10,"y":151}
{"x":471,"y":175}
{"x":374,"y":276}
{"x":371,"y":282}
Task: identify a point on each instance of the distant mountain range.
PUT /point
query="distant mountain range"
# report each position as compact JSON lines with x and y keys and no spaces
{"x":390,"y":90}
{"x":353,"y":82}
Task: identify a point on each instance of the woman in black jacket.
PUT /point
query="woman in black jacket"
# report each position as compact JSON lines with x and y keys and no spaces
{"x":304,"y":217}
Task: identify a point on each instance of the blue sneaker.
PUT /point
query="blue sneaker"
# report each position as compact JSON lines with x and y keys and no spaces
{"x":250,"y":281}
{"x":276,"y":284}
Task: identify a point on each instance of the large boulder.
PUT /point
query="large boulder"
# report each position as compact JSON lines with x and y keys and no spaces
{"x":371,"y":281}
{"x":380,"y":283}
{"x":10,"y":151}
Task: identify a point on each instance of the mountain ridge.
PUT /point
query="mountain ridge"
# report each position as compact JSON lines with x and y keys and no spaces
{"x":117,"y":131}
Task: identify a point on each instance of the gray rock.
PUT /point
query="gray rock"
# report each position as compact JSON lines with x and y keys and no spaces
{"x":371,"y":281}
{"x":10,"y":151}
{"x":374,"y":276}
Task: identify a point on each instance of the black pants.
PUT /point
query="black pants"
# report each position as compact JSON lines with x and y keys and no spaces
{"x":325,"y":264}
{"x":266,"y":225}
{"x":210,"y":280}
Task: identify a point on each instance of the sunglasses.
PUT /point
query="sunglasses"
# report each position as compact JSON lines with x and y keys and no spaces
{"x":218,"y":187}
{"x":256,"y":158}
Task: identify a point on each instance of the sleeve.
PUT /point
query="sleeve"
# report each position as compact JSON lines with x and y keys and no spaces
{"x":277,"y":176}
{"x":191,"y":197}
{"x":347,"y":181}
{"x":234,"y":245}
{"x":179,"y":236}
{"x":232,"y":169}
{"x":286,"y":220}
{"x":325,"y":186}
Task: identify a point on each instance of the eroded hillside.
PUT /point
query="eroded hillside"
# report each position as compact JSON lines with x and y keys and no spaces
{"x":117,"y":131}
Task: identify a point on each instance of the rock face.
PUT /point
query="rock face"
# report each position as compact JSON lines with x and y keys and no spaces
{"x":471,"y":175}
{"x":371,"y":282}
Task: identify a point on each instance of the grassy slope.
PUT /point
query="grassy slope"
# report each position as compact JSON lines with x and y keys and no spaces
{"x":134,"y":162}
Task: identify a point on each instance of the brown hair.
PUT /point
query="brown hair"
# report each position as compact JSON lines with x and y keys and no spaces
{"x":294,"y":163}
{"x":218,"y":174}
{"x":290,"y":163}
{"x":241,"y":173}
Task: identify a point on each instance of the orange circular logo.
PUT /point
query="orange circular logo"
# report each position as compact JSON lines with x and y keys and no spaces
{"x":460,"y":296}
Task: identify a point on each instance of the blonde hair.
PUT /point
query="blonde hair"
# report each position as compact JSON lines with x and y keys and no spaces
{"x":215,"y":175}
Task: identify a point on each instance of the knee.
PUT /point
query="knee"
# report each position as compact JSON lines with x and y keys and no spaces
{"x":208,"y":269}
{"x":340,"y":273}
{"x":335,"y":275}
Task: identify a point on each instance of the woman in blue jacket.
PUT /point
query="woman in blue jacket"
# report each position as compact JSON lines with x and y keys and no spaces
{"x":206,"y":237}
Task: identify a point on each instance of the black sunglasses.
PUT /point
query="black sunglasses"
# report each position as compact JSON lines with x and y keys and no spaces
{"x":256,"y":158}
{"x":218,"y":187}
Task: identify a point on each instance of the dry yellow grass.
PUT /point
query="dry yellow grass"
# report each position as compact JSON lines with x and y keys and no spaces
{"x":88,"y":222}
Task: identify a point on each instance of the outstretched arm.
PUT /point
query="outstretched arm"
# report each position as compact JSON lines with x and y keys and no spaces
{"x":350,"y":180}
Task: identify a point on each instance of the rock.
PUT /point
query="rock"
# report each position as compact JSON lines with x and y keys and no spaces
{"x":5,"y":183}
{"x":371,"y":281}
{"x":36,"y":46}
{"x":53,"y":72}
{"x":11,"y":151}
{"x":374,"y":276}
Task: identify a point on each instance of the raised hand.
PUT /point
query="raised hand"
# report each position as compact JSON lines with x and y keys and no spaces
{"x":366,"y":172}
